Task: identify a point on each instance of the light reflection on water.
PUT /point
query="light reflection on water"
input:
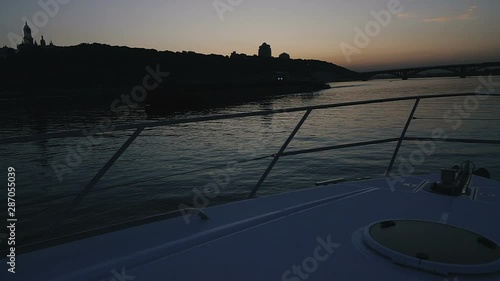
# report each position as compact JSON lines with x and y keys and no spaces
{"x":161,"y":168}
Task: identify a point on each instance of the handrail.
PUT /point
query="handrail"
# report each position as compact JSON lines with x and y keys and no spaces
{"x":308,"y":109}
{"x":453,"y":140}
{"x":403,"y":134}
{"x":278,"y":155}
{"x":148,"y":125}
{"x":334,"y":147}
{"x":94,"y":181}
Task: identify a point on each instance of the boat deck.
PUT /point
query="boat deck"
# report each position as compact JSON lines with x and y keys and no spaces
{"x":323,"y":233}
{"x":313,"y":234}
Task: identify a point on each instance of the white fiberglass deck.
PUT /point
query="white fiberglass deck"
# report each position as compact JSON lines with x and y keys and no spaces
{"x":314,"y":234}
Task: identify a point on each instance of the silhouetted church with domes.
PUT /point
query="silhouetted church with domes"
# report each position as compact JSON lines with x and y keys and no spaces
{"x":29,"y":42}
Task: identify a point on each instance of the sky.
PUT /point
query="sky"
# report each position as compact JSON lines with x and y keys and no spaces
{"x":345,"y":32}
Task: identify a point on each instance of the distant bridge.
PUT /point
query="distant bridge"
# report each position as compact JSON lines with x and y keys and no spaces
{"x":462,"y":70}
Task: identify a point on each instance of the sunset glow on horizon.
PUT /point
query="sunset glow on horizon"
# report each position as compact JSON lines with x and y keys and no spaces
{"x":423,"y":32}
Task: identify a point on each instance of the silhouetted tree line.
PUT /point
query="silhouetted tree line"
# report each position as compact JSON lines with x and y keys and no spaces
{"x":89,"y":66}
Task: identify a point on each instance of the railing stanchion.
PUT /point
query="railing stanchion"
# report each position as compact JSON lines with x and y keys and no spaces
{"x":278,"y":155}
{"x":93,"y":182}
{"x":403,"y":135}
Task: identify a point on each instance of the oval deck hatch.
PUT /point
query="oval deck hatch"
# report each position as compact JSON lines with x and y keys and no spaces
{"x":433,"y":246}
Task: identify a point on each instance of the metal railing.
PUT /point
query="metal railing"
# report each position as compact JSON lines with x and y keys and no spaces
{"x":281,"y":153}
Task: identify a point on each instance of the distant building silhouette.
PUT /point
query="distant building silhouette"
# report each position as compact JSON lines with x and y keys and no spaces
{"x":29,"y":43}
{"x":284,"y":56}
{"x":235,"y":55}
{"x":27,"y":39}
{"x":265,"y":51}
{"x":42,"y":42}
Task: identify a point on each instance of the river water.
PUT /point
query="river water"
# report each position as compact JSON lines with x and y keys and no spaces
{"x":169,"y":165}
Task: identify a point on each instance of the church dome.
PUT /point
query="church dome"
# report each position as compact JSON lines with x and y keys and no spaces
{"x":27,"y":29}
{"x":28,"y":39}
